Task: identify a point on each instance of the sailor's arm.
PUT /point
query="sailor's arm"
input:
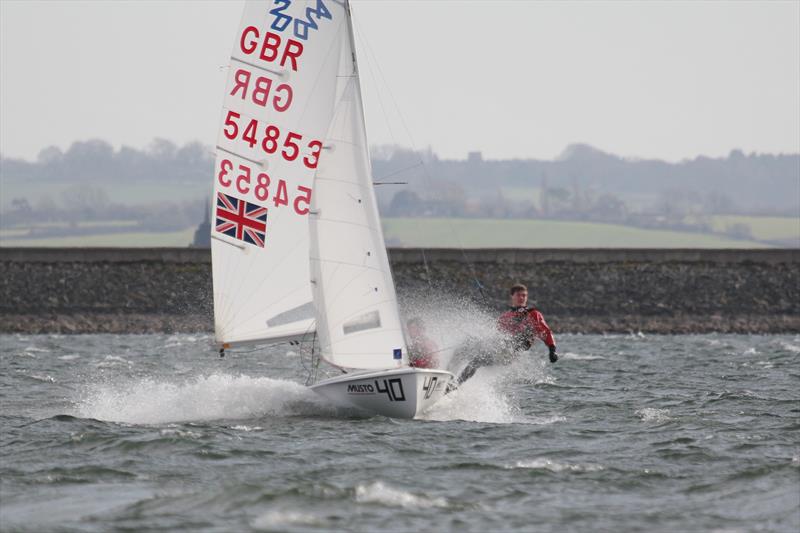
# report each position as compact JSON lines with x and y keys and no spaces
{"x":543,"y":332}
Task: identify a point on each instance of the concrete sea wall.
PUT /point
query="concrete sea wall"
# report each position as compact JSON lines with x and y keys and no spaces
{"x":582,"y":290}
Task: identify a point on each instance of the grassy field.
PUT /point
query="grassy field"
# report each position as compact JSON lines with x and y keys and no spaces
{"x":762,"y":228}
{"x":449,"y":233}
{"x":125,"y":240}
{"x":484,"y":233}
{"x":530,"y":194}
{"x":126,"y":193}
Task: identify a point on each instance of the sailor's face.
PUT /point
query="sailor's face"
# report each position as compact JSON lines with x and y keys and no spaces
{"x":519,"y":299}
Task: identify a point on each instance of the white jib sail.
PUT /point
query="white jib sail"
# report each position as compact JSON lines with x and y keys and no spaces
{"x":278,"y":106}
{"x":358,"y":323}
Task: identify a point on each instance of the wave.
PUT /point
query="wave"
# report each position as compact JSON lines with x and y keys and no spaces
{"x":579,"y":357}
{"x":486,"y":397}
{"x":379,"y":493}
{"x":790,"y":347}
{"x":649,"y":414}
{"x":214,"y":397}
{"x":553,"y":466}
{"x":278,"y":520}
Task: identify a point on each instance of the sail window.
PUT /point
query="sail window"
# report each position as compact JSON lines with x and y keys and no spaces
{"x":295,"y":314}
{"x":366,"y":321}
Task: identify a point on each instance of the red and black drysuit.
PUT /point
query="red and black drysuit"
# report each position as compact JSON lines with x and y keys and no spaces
{"x":524,"y":325}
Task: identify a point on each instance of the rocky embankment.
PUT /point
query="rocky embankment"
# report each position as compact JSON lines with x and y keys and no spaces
{"x":580,"y":291}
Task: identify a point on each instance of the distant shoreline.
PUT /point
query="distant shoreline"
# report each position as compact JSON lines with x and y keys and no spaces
{"x":82,"y":323}
{"x":164,"y":290}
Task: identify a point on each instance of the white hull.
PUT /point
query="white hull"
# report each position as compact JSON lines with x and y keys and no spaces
{"x":400,"y":393}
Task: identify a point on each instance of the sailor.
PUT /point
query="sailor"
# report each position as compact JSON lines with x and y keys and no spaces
{"x":522,"y":324}
{"x":421,"y":349}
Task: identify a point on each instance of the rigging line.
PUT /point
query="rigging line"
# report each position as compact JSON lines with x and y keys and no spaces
{"x":427,"y":269}
{"x":424,"y":166}
{"x":411,"y":167}
{"x":421,"y":163}
{"x":345,"y":181}
{"x":313,"y":342}
{"x":377,"y":93}
{"x":388,"y":274}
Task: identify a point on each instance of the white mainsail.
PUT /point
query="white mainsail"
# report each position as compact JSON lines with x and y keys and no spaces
{"x":280,"y":99}
{"x":358,"y":323}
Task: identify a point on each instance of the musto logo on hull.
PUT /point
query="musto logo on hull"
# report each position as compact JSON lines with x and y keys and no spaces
{"x":393,"y":388}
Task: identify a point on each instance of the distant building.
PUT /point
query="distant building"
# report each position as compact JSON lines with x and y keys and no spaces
{"x":202,"y":236}
{"x":474,"y":157}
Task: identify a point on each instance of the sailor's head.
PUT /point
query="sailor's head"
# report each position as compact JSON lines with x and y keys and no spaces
{"x":415,"y":326}
{"x":519,"y":295}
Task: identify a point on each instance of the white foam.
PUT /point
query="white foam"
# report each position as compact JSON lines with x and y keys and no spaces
{"x":46,"y":378}
{"x":112,"y":361}
{"x":214,"y":397}
{"x":553,"y":466}
{"x":488,"y":397}
{"x":277,"y":519}
{"x":32,"y":349}
{"x":379,"y":493}
{"x":169,"y":432}
{"x":70,"y":357}
{"x":790,"y":347}
{"x":247,"y":428}
{"x":579,"y":357}
{"x":649,"y":414}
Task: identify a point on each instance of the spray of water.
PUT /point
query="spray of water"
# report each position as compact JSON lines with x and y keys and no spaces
{"x":462,"y":330}
{"x":214,"y":397}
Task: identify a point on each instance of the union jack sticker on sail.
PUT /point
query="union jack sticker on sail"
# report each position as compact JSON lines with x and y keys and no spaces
{"x":241,"y":220}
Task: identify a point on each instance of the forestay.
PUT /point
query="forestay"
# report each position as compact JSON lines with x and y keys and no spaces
{"x":358,"y":323}
{"x":279,"y":102}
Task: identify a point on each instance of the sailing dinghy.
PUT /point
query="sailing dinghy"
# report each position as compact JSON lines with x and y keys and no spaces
{"x":297,"y":246}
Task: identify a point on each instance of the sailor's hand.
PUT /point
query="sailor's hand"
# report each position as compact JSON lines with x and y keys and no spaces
{"x":553,"y":354}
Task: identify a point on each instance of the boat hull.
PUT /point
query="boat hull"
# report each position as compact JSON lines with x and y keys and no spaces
{"x":399,"y":393}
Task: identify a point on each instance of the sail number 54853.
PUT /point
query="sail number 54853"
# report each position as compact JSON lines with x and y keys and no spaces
{"x":261,"y":187}
{"x":270,"y":139}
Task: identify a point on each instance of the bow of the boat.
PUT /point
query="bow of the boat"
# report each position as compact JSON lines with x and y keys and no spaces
{"x":396,"y":393}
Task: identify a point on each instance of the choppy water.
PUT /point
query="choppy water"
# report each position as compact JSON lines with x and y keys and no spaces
{"x":626,"y":432}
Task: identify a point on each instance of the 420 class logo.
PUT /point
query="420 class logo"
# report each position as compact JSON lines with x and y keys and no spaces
{"x":300,"y":27}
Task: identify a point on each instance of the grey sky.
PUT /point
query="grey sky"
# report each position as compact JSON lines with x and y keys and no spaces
{"x":513,"y":79}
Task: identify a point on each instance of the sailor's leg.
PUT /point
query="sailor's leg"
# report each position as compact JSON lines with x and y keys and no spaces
{"x":473,"y":366}
{"x":469,"y":370}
